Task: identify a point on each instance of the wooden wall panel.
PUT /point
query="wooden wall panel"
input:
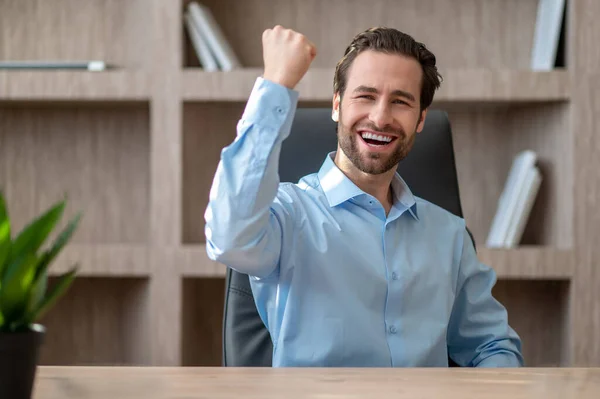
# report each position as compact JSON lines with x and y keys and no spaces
{"x":202,"y":316}
{"x":99,"y":321}
{"x":537,"y":311}
{"x":208,"y":127}
{"x":585,"y":304}
{"x":110,"y":30}
{"x":95,"y":155}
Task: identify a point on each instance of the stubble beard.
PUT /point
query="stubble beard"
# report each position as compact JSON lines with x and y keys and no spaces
{"x":373,"y":163}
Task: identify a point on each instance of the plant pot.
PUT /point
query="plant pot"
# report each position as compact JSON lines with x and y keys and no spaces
{"x":19,"y":355}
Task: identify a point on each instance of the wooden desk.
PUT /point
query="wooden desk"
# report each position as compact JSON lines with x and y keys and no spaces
{"x":216,"y":383}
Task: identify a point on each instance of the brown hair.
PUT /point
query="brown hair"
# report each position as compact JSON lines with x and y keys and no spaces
{"x":391,"y":41}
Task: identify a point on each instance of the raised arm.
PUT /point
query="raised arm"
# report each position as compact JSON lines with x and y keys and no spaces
{"x":248,"y":213}
{"x":479,"y":334}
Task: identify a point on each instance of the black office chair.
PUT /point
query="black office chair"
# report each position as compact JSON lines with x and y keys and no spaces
{"x":429,"y":170}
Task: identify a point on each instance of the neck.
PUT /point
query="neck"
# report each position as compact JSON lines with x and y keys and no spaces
{"x":379,"y":186}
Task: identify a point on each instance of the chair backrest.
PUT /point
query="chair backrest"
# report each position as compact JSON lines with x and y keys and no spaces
{"x":429,"y":170}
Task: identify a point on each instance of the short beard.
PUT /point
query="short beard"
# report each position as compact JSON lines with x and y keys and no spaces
{"x":347,"y":140}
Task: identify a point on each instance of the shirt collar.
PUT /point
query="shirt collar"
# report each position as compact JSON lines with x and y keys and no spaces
{"x":339,"y":188}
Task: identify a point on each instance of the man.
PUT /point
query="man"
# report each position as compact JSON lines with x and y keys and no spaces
{"x":347,"y":267}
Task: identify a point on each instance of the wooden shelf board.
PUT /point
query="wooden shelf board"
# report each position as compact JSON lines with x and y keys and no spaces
{"x":529,"y":263}
{"x":192,"y":261}
{"x":520,"y":263}
{"x":459,"y":85}
{"x":104,"y":260}
{"x":74,"y":86}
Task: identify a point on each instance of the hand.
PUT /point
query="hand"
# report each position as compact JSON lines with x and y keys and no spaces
{"x":287,"y":56}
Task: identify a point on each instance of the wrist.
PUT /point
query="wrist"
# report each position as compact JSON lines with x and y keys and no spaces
{"x":280,"y":80}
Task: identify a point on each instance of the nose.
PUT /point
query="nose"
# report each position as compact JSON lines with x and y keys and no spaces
{"x":381,"y":115}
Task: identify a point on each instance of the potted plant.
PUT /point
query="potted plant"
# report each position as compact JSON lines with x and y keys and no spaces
{"x":25,"y":295}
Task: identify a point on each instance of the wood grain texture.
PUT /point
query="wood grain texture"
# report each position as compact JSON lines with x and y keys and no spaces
{"x":538,"y":311}
{"x":108,"y":260}
{"x":74,"y":86}
{"x":471,"y":28}
{"x":585,"y":304}
{"x":207,"y":128}
{"x":202,"y":318}
{"x":166,"y":301}
{"x":192,"y":261}
{"x":109,"y":30}
{"x":194,"y":382}
{"x":467,"y":85}
{"x":166,"y":142}
{"x":529,"y":263}
{"x":99,"y":321}
{"x":96,"y":156}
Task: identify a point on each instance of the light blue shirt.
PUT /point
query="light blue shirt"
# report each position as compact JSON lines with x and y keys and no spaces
{"x":336,"y":281}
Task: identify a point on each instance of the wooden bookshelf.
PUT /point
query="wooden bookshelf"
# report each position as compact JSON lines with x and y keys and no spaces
{"x":136,"y":148}
{"x":104,"y":86}
{"x":461,"y":85}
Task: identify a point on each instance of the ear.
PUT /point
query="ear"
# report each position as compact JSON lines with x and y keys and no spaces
{"x":335,"y":113}
{"x":421,"y":120}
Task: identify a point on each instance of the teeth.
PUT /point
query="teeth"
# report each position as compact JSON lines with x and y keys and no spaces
{"x":377,"y":137}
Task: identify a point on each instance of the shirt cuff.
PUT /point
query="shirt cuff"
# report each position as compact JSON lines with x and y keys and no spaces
{"x":271,"y":105}
{"x":500,"y":360}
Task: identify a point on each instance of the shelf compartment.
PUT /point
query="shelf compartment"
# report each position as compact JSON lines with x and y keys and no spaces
{"x":539,"y":313}
{"x":530,"y":263}
{"x":64,"y":30}
{"x":99,"y":321}
{"x":459,"y":85}
{"x":202,"y":320}
{"x":486,"y":140}
{"x":471,"y":30}
{"x":95,"y":155}
{"x":72,"y":86}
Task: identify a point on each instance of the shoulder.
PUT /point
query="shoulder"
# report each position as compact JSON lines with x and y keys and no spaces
{"x":308,"y":187}
{"x":436,"y":218}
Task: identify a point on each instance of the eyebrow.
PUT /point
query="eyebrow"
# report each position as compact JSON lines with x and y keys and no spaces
{"x":398,"y":93}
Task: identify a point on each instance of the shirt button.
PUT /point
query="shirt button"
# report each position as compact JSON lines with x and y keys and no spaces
{"x":280,"y":110}
{"x":393,"y":330}
{"x":394,"y":276}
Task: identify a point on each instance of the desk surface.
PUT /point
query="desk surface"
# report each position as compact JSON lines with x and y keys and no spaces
{"x":188,"y":383}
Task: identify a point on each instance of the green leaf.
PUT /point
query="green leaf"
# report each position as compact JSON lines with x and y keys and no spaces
{"x":1,"y":320}
{"x":16,"y":286}
{"x":64,"y":282}
{"x":33,"y":235}
{"x":60,"y":242}
{"x":4,"y":234}
{"x":36,"y":296}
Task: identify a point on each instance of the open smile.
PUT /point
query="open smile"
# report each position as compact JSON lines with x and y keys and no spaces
{"x":376,"y":140}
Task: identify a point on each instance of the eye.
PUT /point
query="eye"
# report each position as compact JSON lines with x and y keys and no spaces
{"x":367,"y":96}
{"x":400,"y":102}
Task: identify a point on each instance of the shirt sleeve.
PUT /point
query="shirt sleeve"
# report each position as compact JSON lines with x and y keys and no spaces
{"x":247,"y":212}
{"x":479,"y":334}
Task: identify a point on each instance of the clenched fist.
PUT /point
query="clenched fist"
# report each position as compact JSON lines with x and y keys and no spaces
{"x":287,"y":55}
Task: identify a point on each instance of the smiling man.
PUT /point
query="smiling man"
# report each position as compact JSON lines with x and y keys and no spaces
{"x":348,"y":268}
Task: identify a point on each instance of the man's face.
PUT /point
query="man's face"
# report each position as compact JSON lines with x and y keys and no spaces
{"x":379,"y":114}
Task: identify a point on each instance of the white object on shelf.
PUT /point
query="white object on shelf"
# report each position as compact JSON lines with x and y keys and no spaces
{"x":523,"y":207}
{"x":519,"y":181}
{"x":211,"y":32}
{"x":205,"y":57}
{"x":547,"y":34}
{"x":94,"y":66}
